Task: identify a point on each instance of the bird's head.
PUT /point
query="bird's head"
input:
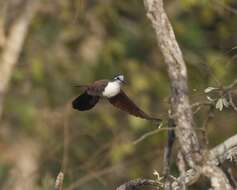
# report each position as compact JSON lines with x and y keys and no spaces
{"x":119,"y":78}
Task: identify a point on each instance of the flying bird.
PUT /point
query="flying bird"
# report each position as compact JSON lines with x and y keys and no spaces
{"x":112,"y":91}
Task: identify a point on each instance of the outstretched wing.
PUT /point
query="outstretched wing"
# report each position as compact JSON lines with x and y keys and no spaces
{"x":123,"y":102}
{"x":85,"y":102}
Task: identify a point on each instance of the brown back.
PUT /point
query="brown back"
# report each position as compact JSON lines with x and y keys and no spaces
{"x":97,"y":87}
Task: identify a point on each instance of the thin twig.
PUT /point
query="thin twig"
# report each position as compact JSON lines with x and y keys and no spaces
{"x":144,"y":136}
{"x":231,"y":102}
{"x":198,"y":105}
{"x":231,"y":86}
{"x":92,"y":175}
{"x":227,"y":7}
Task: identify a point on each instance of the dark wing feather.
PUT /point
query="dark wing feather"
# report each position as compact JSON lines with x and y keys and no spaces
{"x":123,"y":102}
{"x":85,"y":102}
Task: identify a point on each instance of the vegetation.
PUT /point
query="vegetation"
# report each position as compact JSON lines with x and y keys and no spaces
{"x":76,"y":42}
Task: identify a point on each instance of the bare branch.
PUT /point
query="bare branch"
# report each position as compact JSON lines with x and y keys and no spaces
{"x":144,"y":136}
{"x":225,"y":6}
{"x":150,"y":133}
{"x":231,"y":86}
{"x":136,"y":183}
{"x":190,"y":177}
{"x":220,"y":153}
{"x":224,"y":151}
{"x":218,"y":180}
{"x":182,"y":167}
{"x":92,"y":175}
{"x":181,"y":109}
{"x":217,"y":177}
{"x":13,"y":45}
{"x":178,"y":77}
{"x":180,"y":105}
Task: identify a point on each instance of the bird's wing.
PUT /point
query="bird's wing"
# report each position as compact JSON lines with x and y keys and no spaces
{"x":123,"y":102}
{"x":85,"y":102}
{"x":97,"y":88}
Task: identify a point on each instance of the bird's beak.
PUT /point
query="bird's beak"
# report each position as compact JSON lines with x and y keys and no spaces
{"x":124,"y":82}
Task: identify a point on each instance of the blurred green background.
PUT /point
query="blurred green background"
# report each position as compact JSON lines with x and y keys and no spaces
{"x":76,"y":42}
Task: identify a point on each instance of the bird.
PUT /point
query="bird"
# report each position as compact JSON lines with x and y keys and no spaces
{"x":112,"y":91}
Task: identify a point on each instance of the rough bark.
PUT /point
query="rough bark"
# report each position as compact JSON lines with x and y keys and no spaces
{"x":181,"y":109}
{"x":224,"y":151}
{"x":182,"y":113}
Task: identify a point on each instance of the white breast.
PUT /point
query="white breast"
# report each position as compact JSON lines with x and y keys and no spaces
{"x":112,"y":89}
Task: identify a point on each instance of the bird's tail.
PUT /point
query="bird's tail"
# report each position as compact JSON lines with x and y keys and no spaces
{"x":156,"y":120}
{"x":83,"y":87}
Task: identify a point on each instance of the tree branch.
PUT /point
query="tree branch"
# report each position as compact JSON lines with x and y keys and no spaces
{"x":180,"y":106}
{"x":13,"y":45}
{"x":231,"y":86}
{"x":136,"y":183}
{"x":224,"y":151}
{"x":182,"y":113}
{"x":178,"y":77}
